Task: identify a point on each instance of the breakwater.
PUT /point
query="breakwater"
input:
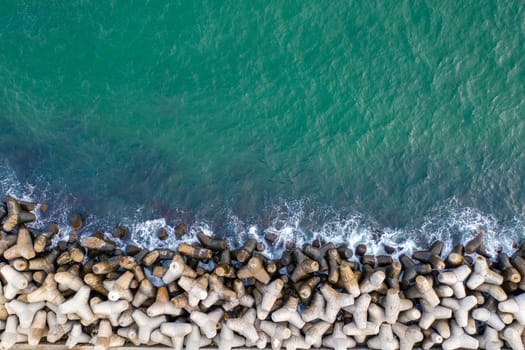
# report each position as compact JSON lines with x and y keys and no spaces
{"x":89,"y":290}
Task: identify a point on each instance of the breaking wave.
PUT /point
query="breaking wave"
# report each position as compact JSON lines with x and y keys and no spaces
{"x":298,"y":221}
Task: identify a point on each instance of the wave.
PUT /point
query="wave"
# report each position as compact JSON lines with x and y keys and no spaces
{"x":298,"y":221}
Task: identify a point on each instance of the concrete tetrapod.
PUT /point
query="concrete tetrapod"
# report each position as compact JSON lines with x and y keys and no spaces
{"x":10,"y":336}
{"x":385,"y":340}
{"x":483,"y":274}
{"x":162,"y":305}
{"x":96,"y":283}
{"x":278,"y":332}
{"x":443,"y":328}
{"x":61,"y":318}
{"x":375,"y":319}
{"x":338,"y":340}
{"x":254,"y":269}
{"x":476,"y":245}
{"x":432,"y":313}
{"x":313,"y":333}
{"x":508,"y":271}
{"x":194,"y":340}
{"x":307,"y":287}
{"x":376,"y":314}
{"x":24,"y":311}
{"x":304,"y":267}
{"x":271,"y":293}
{"x":120,"y":288}
{"x":506,"y":317}
{"x":126,"y":318}
{"x":196,"y":288}
{"x":68,"y":280}
{"x":460,"y":308}
{"x":44,"y":263}
{"x":176,"y":331}
{"x":105,"y":338}
{"x":111,"y":310}
{"x":348,"y":279}
{"x":218,"y":291}
{"x":20,"y":264}
{"x":15,"y":215}
{"x":425,"y":291}
{"x":512,"y":336}
{"x":359,"y":310}
{"x":515,"y":306}
{"x":210,"y":242}
{"x":444,"y":291}
{"x":195,"y":252}
{"x":431,"y":338}
{"x":411,"y":270}
{"x":245,"y":325}
{"x":146,"y":290}
{"x":130,"y":263}
{"x":226,"y":340}
{"x":6,"y":241}
{"x":176,"y":269}
{"x":23,"y":247}
{"x":78,"y":305}
{"x":243,"y":254}
{"x":207,"y":322}
{"x":132,"y":335}
{"x":320,"y":254}
{"x":288,"y":313}
{"x":56,"y":330}
{"x":490,"y":340}
{"x":491,"y":318}
{"x":181,"y":301}
{"x":47,"y":292}
{"x":455,"y":278}
{"x":296,"y":340}
{"x":146,"y":324}
{"x":408,"y":335}
{"x":334,"y":260}
{"x":519,"y":262}
{"x":373,"y":282}
{"x":360,"y":334}
{"x":316,"y":309}
{"x":494,"y":291}
{"x":223,"y":267}
{"x":106,"y":266}
{"x":97,"y":244}
{"x":459,"y":339}
{"x":394,"y":304}
{"x":410,"y":315}
{"x":262,"y":341}
{"x":38,"y":328}
{"x":241,"y":297}
{"x":76,"y":336}
{"x":157,"y":337}
{"x":335,"y":301}
{"x":393,"y":271}
{"x":471,"y":328}
{"x":16,"y":281}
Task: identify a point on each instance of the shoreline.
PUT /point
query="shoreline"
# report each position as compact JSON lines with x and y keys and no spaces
{"x":88,"y":290}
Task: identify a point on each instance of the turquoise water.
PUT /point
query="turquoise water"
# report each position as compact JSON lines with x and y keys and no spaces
{"x":249,"y":115}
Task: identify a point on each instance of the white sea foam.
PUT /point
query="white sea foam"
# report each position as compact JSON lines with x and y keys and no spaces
{"x":293,"y":221}
{"x":449,"y":222}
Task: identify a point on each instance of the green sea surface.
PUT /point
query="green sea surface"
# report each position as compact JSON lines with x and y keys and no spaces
{"x":387,"y":109}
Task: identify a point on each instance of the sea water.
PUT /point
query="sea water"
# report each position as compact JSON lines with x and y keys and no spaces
{"x":395,"y":122}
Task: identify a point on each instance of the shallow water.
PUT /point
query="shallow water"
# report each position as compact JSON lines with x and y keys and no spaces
{"x":328,"y":119}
